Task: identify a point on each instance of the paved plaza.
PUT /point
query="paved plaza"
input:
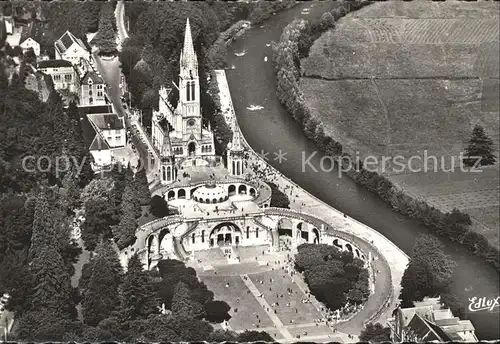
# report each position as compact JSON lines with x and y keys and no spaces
{"x":264,"y":296}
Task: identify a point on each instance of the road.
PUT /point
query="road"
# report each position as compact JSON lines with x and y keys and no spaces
{"x":120,"y":21}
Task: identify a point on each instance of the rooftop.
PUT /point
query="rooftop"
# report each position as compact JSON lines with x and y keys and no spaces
{"x":423,"y":330}
{"x":33,"y":30}
{"x":66,"y":41}
{"x":99,"y":143}
{"x":95,"y":77}
{"x":428,"y":315}
{"x":93,"y":109}
{"x":54,"y":64}
{"x":106,"y":121}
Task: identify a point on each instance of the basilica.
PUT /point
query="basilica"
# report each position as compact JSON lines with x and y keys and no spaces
{"x":217,"y":205}
{"x":179,"y":134}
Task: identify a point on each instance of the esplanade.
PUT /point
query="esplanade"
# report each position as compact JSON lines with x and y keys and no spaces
{"x":232,"y":224}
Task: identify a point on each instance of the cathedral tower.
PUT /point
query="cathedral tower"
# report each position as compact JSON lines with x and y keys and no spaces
{"x":188,"y":138}
{"x":189,"y":90}
{"x":235,"y":154}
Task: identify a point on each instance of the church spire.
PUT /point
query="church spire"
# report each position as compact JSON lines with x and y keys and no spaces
{"x":188,"y":56}
{"x":236,"y":143}
{"x":166,"y":149}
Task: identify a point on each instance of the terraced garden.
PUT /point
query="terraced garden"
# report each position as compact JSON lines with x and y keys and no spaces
{"x":404,"y":78}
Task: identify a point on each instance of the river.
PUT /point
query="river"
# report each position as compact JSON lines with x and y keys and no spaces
{"x":272,"y":129}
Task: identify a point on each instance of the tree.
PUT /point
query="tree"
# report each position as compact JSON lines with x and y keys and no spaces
{"x":333,"y":276}
{"x":428,"y":273}
{"x":77,"y":147}
{"x":15,"y":225}
{"x":137,"y":294}
{"x":124,"y":232}
{"x":327,"y":21}
{"x":219,"y":336}
{"x":480,"y":146}
{"x":158,"y":206}
{"x":141,"y":187}
{"x":475,"y":242}
{"x":101,"y":297}
{"x":375,"y":333}
{"x":52,"y":291}
{"x":183,"y":305}
{"x":105,"y":39}
{"x":50,"y":224}
{"x":254,"y":336}
{"x":217,"y":311}
{"x":278,"y":198}
{"x":42,"y":325}
{"x":100,"y":199}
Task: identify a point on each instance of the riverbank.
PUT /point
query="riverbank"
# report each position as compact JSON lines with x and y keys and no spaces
{"x":272,"y":128}
{"x":304,"y":202}
{"x":453,"y":225}
{"x":386,"y":98}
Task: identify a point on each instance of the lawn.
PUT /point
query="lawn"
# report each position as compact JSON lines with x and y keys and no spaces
{"x":401,"y":78}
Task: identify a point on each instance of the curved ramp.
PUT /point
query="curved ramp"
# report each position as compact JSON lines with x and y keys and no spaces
{"x":274,"y":234}
{"x":179,"y":249}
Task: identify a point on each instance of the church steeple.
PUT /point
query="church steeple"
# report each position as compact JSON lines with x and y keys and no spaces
{"x":166,"y":149}
{"x":189,"y":61}
{"x":168,"y":170}
{"x":235,"y":153}
{"x":236,"y":142}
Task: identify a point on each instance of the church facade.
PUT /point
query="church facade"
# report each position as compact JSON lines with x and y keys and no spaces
{"x":179,"y":134}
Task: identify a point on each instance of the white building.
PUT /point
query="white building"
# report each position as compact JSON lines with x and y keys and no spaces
{"x":110,"y":134}
{"x":104,"y":133}
{"x":92,"y":89}
{"x":31,"y":37}
{"x":179,"y":134}
{"x":63,"y":73}
{"x":71,"y":48}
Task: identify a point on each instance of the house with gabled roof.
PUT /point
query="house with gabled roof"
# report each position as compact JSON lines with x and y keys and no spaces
{"x":71,"y":48}
{"x":429,"y":321}
{"x":31,"y":37}
{"x":104,"y":132}
{"x":92,"y":89}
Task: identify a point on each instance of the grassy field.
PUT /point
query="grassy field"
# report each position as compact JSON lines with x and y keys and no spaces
{"x":414,"y":78}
